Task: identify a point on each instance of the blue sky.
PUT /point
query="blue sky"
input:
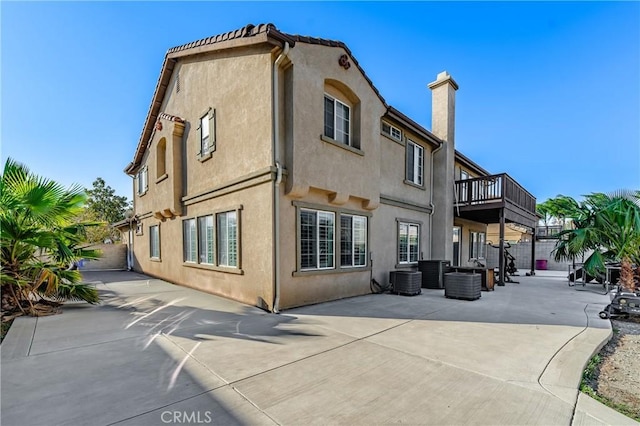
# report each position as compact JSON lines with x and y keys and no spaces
{"x":549,"y":92}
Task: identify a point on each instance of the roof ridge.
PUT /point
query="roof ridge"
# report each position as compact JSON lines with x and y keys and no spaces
{"x":248,"y":30}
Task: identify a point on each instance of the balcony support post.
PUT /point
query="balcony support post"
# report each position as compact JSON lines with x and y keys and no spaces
{"x":533,"y":252}
{"x":501,"y":265}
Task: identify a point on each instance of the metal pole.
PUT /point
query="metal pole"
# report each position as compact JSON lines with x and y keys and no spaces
{"x":501,"y":251}
{"x":533,"y":252}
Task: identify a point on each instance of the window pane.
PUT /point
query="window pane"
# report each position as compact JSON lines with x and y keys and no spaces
{"x":410,"y":161}
{"x":308,"y":240}
{"x":325,"y":239}
{"x":396,"y":133}
{"x":328,"y":117}
{"x":189,"y":240}
{"x":418,"y":164}
{"x":413,"y":243}
{"x":228,"y":239}
{"x":359,"y":241}
{"x":346,"y":240}
{"x":403,"y":245}
{"x":205,"y":239}
{"x":342,"y":123}
{"x":154,"y":239}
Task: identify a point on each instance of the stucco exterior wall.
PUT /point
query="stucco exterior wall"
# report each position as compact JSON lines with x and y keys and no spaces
{"x":466,"y":227}
{"x":252,"y":282}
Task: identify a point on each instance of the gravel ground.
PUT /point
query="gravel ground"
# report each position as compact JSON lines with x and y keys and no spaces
{"x":617,"y":377}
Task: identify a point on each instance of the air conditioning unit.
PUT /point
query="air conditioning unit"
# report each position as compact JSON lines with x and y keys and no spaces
{"x":433,"y":272}
{"x":406,"y":283}
{"x":459,"y":285}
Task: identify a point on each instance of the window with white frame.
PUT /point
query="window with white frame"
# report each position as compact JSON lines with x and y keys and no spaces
{"x":154,"y":242}
{"x":227,"y":239}
{"x":353,"y":240}
{"x":391,"y":131}
{"x":189,"y":240}
{"x":337,"y":120}
{"x":317,"y":229}
{"x":143,"y":183}
{"x":415,"y":163}
{"x":477,"y":245}
{"x":207,"y":133}
{"x":205,"y":239}
{"x":408,"y":242}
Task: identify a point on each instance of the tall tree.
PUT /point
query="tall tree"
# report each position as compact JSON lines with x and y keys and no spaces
{"x":39,"y":239}
{"x":104,"y":202}
{"x":105,"y":206}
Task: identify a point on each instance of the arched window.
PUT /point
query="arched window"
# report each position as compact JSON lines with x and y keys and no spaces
{"x":161,"y":158}
{"x":341,"y":113}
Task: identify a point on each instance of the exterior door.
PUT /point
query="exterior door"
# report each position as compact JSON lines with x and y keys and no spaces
{"x":457,"y":234}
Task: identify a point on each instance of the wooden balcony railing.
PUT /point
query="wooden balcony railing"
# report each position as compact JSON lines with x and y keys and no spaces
{"x":491,"y":190}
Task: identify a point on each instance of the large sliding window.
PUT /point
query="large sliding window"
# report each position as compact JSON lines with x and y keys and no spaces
{"x":408,"y":242}
{"x":353,"y":240}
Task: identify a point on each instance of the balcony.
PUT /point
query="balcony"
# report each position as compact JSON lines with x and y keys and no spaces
{"x":483,"y":199}
{"x":550,"y":231}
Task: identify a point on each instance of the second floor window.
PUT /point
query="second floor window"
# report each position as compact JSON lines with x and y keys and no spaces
{"x":415,"y":163}
{"x":207,"y":133}
{"x":337,"y":120}
{"x":143,"y":183}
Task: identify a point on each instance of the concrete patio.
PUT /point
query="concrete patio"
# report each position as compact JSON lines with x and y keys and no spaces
{"x":154,"y":353}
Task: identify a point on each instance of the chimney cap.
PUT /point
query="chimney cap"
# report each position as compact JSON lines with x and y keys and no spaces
{"x":443,"y":78}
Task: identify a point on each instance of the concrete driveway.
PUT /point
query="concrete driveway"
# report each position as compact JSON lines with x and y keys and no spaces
{"x":153,"y":353}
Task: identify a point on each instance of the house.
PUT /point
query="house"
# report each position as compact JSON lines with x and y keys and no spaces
{"x":270,"y":170}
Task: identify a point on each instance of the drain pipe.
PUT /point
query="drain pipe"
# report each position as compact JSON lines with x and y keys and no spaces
{"x":276,"y":184}
{"x":433,"y":153}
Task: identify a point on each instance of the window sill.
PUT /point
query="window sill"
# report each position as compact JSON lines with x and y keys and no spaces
{"x":203,"y":158}
{"x":161,"y":178}
{"x":141,"y":194}
{"x":341,"y":145}
{"x":415,"y":185}
{"x":346,"y":270}
{"x":406,"y":265}
{"x":155,"y":259}
{"x":227,"y":270}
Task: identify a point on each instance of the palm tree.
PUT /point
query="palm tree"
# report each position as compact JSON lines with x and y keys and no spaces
{"x":606,"y":227}
{"x":40,"y":240}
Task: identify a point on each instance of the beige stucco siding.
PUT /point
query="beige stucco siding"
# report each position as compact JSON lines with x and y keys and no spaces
{"x":238,"y":87}
{"x":467,"y":226}
{"x":313,"y":162}
{"x":254,"y":285}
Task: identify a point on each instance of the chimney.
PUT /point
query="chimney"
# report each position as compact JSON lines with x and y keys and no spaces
{"x":443,"y":107}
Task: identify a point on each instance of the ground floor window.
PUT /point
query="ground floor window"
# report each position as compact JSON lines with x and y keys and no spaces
{"x":227,"y":239}
{"x":408,"y":242}
{"x":212,"y":239}
{"x":353,"y":240}
{"x":154,"y":242}
{"x":476,"y":245}
{"x":317,"y":229}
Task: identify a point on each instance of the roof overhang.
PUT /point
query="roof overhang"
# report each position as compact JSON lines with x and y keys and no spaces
{"x":395,"y":115}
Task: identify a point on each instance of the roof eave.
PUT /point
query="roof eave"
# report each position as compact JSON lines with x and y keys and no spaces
{"x":402,"y":119}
